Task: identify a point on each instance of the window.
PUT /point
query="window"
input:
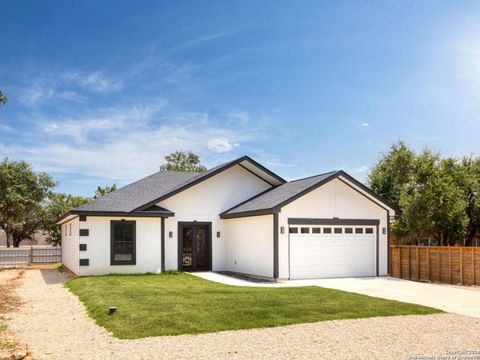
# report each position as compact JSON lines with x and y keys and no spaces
{"x":368,"y":230}
{"x":305,"y":230}
{"x":316,"y":230}
{"x":348,"y":230}
{"x":358,"y":230}
{"x":70,"y":229}
{"x":123,"y":243}
{"x":337,"y":230}
{"x":293,"y":230}
{"x":327,"y":230}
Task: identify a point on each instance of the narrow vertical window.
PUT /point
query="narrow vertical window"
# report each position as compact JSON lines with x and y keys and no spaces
{"x":123,"y":242}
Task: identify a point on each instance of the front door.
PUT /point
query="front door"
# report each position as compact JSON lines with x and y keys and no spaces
{"x":194,"y":247}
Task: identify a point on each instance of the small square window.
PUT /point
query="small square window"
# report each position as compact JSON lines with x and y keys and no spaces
{"x":358,"y":230}
{"x":368,"y":230}
{"x":305,"y":230}
{"x":348,"y":230}
{"x":337,"y":230}
{"x":293,"y":230}
{"x":316,"y":230}
{"x":327,"y":230}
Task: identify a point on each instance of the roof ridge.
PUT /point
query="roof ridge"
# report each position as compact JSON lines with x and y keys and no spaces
{"x":309,"y":177}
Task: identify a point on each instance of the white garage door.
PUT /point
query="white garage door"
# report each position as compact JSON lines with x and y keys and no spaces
{"x":332,"y":251}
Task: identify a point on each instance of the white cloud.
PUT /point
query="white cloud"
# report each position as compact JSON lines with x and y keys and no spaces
{"x":37,"y":93}
{"x":221,"y":145}
{"x":365,"y":124}
{"x":124,"y":144}
{"x":94,"y":81}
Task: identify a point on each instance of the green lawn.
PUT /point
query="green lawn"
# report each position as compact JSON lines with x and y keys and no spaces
{"x":174,"y":304}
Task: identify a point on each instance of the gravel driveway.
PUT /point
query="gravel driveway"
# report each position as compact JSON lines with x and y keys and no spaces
{"x":55,"y":325}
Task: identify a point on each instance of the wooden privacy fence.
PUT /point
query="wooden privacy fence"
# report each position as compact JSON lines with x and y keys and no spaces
{"x":446,"y":264}
{"x":30,"y":255}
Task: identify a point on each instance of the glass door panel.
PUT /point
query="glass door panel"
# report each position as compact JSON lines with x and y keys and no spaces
{"x":187,"y":257}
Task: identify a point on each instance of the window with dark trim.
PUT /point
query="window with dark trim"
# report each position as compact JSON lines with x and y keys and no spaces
{"x":358,"y":230}
{"x":348,"y":230}
{"x":123,"y":242}
{"x":327,"y":230}
{"x":70,"y":229}
{"x":368,"y":230}
{"x":337,"y":230}
{"x":293,"y":230}
{"x":305,"y":230}
{"x":316,"y":230}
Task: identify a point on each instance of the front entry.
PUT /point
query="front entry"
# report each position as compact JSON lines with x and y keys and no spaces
{"x":194,"y":246}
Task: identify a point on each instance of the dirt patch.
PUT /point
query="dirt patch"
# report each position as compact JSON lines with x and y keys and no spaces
{"x":10,"y":347}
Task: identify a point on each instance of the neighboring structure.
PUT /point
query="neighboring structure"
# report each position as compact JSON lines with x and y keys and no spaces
{"x":238,"y":217}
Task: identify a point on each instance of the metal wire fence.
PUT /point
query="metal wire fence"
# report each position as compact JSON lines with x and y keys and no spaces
{"x":30,"y":255}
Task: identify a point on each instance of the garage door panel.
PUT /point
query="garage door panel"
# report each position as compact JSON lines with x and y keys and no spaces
{"x":332,"y":255}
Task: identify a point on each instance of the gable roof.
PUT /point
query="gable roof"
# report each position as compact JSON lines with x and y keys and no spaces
{"x":138,"y":198}
{"x":245,"y":161}
{"x":272,"y":200}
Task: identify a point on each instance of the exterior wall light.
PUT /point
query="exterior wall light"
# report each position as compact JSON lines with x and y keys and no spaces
{"x":218,"y":234}
{"x":384,"y":231}
{"x":170,"y":234}
{"x":282,"y":229}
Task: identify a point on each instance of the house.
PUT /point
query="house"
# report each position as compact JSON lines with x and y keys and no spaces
{"x":238,"y":217}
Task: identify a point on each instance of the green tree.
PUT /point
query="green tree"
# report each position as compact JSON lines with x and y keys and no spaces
{"x":57,"y":205}
{"x":432,"y":202}
{"x":394,"y":169}
{"x":102,"y":191}
{"x":22,"y":192}
{"x":3,"y":98}
{"x":179,"y":161}
{"x":467,"y":175}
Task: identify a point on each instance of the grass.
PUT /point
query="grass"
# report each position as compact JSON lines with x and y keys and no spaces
{"x":177,"y":303}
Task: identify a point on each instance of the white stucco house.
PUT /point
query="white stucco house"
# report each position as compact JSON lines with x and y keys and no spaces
{"x":238,"y":217}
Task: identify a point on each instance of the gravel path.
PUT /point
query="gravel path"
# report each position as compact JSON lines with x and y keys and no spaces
{"x":55,"y":326}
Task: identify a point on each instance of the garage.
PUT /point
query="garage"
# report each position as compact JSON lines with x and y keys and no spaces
{"x":333,"y":250}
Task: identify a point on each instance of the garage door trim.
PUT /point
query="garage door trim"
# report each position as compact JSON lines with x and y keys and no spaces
{"x":338,"y":221}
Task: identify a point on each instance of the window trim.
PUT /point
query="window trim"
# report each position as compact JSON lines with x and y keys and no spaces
{"x":134,"y":247}
{"x":304,"y":230}
{"x":293,"y":230}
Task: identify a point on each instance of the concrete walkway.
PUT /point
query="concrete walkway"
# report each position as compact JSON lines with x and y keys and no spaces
{"x":454,"y":299}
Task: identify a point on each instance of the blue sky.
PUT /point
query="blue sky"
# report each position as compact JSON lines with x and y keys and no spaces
{"x":100,"y":91}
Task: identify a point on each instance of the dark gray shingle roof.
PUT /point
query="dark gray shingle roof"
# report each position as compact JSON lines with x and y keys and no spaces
{"x":140,"y":192}
{"x":276,"y":196}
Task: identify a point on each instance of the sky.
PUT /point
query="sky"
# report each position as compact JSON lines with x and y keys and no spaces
{"x":100,"y":91}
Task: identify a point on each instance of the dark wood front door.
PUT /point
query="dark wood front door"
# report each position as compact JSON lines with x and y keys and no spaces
{"x":194,"y":246}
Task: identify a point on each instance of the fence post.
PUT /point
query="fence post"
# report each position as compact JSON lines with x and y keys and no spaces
{"x":428,"y":262}
{"x":449,"y":264}
{"x":30,"y":258}
{"x":400,"y":260}
{"x":461,"y":265}
{"x":409,"y":270}
{"x":473,"y":264}
{"x":418,"y":263}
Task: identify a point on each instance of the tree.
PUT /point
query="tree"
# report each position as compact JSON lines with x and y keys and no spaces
{"x":467,"y":175}
{"x":22,"y":192}
{"x":432,"y":202}
{"x":3,"y":99}
{"x":102,"y":191}
{"x":392,"y":172}
{"x":57,"y":205}
{"x":179,"y":161}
